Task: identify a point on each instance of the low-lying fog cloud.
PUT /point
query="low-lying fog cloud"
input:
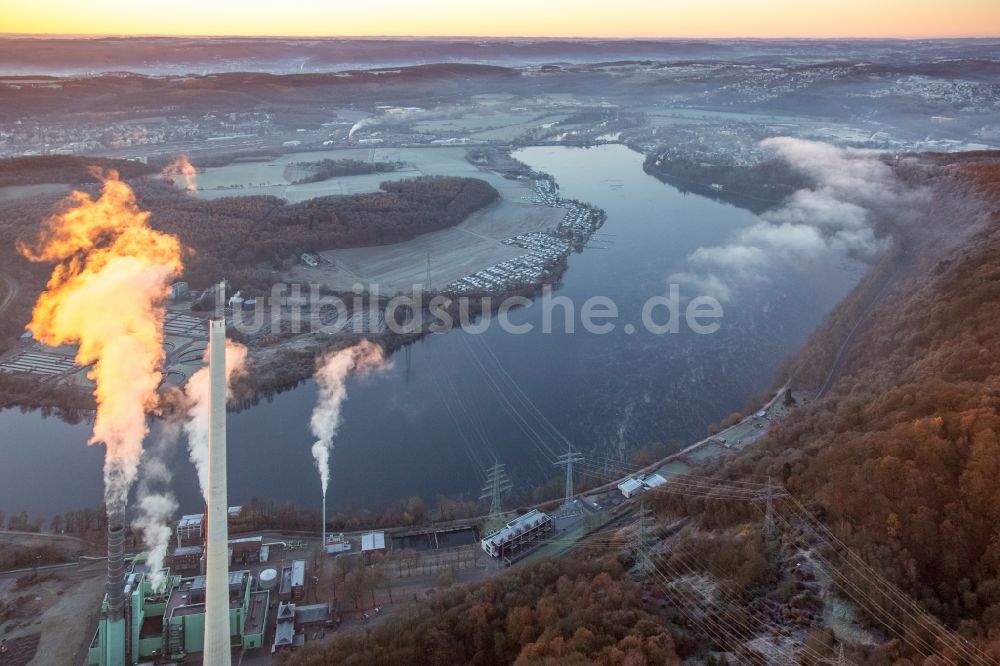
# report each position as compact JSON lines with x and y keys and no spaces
{"x":833,"y":217}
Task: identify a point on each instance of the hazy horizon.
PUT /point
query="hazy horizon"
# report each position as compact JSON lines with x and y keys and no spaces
{"x":628,"y":19}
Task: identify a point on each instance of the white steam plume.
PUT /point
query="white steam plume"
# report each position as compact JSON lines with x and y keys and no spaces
{"x":196,"y":394}
{"x":330,"y":376}
{"x":157,"y":503}
{"x":832,"y":217}
{"x":364,"y":122}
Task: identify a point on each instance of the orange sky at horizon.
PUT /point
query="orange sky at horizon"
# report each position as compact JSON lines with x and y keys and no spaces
{"x":511,"y":18}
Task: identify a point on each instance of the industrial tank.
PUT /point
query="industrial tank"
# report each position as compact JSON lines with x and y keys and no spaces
{"x":268,"y":579}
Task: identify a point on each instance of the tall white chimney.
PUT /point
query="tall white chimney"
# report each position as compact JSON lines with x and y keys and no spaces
{"x":217,"y":642}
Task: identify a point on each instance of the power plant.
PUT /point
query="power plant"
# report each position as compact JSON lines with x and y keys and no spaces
{"x":203,"y":613}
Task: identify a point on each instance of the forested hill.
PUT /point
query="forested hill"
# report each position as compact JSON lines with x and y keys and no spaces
{"x":902,"y":457}
{"x":554,"y":612}
{"x":247,"y":239}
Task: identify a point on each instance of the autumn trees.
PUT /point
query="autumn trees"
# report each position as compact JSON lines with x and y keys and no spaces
{"x":902,"y":460}
{"x":565,"y":612}
{"x":246,"y":238}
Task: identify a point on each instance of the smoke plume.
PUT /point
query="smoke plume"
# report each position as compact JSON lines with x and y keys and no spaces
{"x":182,"y":168}
{"x":196,"y":394}
{"x":364,"y":122}
{"x":331,"y":376}
{"x":832,"y":217}
{"x":156,"y":503}
{"x":106,"y":294}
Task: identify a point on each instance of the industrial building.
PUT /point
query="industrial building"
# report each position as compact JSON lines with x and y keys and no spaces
{"x":211,"y":613}
{"x":293,"y":620}
{"x":191,"y":530}
{"x":630,"y":487}
{"x":337,"y":543}
{"x":170,"y":624}
{"x":372,"y":543}
{"x":191,"y":527}
{"x":636,"y":485}
{"x":293,"y":582}
{"x":517,"y":534}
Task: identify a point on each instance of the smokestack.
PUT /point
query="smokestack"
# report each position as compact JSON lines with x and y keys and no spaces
{"x":114,"y":639}
{"x":116,"y":566}
{"x":217,"y":641}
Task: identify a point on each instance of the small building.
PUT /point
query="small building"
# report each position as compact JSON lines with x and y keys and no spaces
{"x":293,"y":582}
{"x":179,"y":290}
{"x":313,"y":615}
{"x":284,"y":629}
{"x":517,"y":533}
{"x":245,"y":551}
{"x":631,"y":487}
{"x":337,"y":543}
{"x":191,"y":530}
{"x":653,"y":481}
{"x":371,"y":543}
{"x":186,"y":559}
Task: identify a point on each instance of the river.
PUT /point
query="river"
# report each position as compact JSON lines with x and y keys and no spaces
{"x":431,"y":423}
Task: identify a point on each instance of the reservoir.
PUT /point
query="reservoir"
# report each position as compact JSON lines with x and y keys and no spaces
{"x":430,"y":425}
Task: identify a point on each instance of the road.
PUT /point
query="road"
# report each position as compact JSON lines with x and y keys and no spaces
{"x":838,"y":360}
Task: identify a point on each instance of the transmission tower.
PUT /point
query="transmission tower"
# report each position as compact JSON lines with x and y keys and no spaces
{"x":839,"y":660}
{"x":568,"y":459}
{"x":767,"y":496}
{"x":497,"y":485}
{"x":641,"y":536}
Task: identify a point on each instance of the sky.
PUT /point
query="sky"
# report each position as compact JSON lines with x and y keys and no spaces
{"x":509,"y":18}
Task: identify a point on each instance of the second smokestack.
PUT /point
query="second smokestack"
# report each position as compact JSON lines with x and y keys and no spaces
{"x":217,"y":631}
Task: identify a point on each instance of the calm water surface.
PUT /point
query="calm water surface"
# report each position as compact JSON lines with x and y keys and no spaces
{"x":430,"y":425}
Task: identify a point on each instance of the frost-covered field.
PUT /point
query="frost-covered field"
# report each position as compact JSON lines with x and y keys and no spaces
{"x":254,"y":178}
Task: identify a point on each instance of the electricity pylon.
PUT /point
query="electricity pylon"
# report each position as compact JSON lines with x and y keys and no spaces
{"x":497,"y":485}
{"x":568,"y":459}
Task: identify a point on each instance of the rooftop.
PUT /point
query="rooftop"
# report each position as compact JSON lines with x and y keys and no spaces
{"x":188,"y":550}
{"x":257,"y":613}
{"x":312,"y":613}
{"x":630,"y":485}
{"x":373,"y":541}
{"x":519,"y":525}
{"x":284,"y":634}
{"x":298,"y":573}
{"x":190,"y":521}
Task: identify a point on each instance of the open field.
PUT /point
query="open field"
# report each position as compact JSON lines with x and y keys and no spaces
{"x":268,"y":178}
{"x":25,"y":191}
{"x":454,"y":253}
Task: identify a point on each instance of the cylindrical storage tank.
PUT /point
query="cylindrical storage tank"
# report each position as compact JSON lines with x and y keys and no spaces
{"x":268,"y":579}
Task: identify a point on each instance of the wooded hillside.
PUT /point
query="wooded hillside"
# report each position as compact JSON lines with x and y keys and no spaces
{"x":903,"y":457}
{"x":555,"y":612}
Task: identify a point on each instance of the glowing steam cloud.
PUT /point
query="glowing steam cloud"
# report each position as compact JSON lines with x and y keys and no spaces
{"x":331,"y":376}
{"x":182,"y":168}
{"x":108,"y":257}
{"x":197,"y":398}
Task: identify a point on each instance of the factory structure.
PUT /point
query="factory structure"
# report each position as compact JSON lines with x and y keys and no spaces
{"x":169,"y":624}
{"x":224,"y":605}
{"x":517,"y":534}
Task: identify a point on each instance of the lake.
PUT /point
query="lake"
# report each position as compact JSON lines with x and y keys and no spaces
{"x":439,"y":416}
